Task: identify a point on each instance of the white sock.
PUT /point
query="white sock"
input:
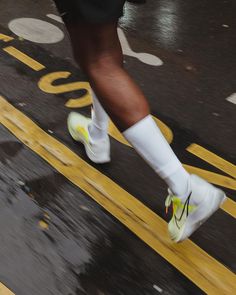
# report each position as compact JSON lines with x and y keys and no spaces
{"x":98,"y":129}
{"x":148,"y":141}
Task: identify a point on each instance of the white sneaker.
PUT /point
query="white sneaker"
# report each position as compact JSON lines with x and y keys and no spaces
{"x":188,"y":216}
{"x":98,"y":151}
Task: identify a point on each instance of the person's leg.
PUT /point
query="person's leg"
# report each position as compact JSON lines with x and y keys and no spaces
{"x":97,"y":49}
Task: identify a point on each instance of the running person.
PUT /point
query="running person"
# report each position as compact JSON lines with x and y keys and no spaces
{"x":92,"y":26}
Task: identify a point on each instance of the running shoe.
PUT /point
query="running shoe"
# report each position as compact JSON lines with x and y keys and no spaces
{"x":98,"y":151}
{"x":201,"y":203}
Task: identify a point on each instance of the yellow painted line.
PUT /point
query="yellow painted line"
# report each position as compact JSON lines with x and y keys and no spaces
{"x":212,"y":177}
{"x":212,"y":159}
{"x":205,"y":271}
{"x":30,"y":62}
{"x":5,"y":38}
{"x":230,"y":207}
{"x":4,"y":290}
{"x":46,"y":84}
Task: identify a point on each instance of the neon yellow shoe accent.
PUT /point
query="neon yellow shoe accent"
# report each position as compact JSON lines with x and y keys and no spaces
{"x":176,"y":204}
{"x":189,"y":216}
{"x":83,"y":132}
{"x":181,"y":212}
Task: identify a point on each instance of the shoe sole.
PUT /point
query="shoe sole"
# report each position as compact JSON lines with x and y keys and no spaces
{"x":88,"y":151}
{"x":200,"y":216}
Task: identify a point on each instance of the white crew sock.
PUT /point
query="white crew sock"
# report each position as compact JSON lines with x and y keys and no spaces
{"x":148,"y":141}
{"x":98,"y":129}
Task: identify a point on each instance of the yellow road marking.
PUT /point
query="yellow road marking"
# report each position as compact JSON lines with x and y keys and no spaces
{"x":4,"y":290}
{"x":212,"y":177}
{"x":5,"y":38}
{"x":213,"y":159}
{"x":205,"y":271}
{"x":80,"y":102}
{"x":229,"y":207}
{"x":46,"y":84}
{"x":24,"y":58}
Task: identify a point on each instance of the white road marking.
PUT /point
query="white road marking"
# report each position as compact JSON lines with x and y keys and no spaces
{"x":36,"y":30}
{"x":146,"y":58}
{"x":55,"y":17}
{"x":143,"y":57}
{"x":232,"y":98}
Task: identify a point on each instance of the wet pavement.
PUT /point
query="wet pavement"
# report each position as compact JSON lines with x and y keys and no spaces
{"x":56,"y":237}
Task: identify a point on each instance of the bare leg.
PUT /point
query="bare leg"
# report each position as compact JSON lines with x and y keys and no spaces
{"x":97,"y":50}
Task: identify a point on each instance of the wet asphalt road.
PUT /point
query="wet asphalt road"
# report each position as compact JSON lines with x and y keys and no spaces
{"x":85,"y":250}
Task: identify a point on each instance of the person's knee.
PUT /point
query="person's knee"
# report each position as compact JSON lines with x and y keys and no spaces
{"x":96,"y":48}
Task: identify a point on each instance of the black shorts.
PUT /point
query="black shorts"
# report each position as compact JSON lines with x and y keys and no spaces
{"x":92,"y":11}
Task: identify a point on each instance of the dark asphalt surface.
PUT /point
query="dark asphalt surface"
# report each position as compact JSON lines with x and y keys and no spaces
{"x":84,"y":246}
{"x":85,"y":250}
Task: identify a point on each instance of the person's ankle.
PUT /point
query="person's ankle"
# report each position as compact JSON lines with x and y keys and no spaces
{"x":96,"y":133}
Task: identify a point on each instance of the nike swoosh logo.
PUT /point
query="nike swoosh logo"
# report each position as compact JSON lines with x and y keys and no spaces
{"x":185,"y":208}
